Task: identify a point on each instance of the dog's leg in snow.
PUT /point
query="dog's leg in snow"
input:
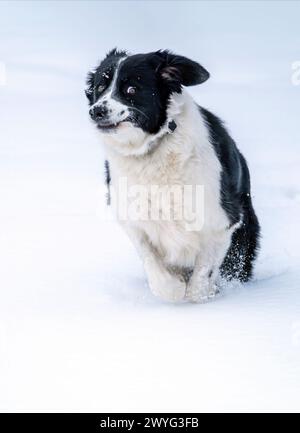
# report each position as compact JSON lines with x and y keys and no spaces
{"x":162,"y":283}
{"x":202,"y":285}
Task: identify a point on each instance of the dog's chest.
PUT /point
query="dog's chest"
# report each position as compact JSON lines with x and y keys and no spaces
{"x":162,"y":183}
{"x":160,"y":186}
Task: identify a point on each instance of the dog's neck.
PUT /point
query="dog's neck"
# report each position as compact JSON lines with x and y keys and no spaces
{"x":133,"y":142}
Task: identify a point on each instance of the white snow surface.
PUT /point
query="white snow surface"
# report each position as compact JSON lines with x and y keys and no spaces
{"x":79,"y":328}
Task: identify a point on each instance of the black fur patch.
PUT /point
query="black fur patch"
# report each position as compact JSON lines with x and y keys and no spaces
{"x":107,"y":181}
{"x":235,"y":200}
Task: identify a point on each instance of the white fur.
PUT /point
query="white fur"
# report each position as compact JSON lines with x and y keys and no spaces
{"x":119,"y":111}
{"x":185,"y":157}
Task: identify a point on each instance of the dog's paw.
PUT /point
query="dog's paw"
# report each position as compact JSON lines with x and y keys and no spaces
{"x":201,"y":291}
{"x":168,"y":288}
{"x":165,"y":285}
{"x":171,"y":293}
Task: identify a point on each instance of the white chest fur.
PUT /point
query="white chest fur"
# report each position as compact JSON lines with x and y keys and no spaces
{"x":183,"y":159}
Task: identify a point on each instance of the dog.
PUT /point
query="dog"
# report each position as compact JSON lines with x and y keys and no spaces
{"x":155,"y":134}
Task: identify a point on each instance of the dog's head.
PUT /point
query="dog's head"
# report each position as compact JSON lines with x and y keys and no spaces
{"x":134,"y":90}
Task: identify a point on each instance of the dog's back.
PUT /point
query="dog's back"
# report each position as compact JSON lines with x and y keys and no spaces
{"x":236,"y":200}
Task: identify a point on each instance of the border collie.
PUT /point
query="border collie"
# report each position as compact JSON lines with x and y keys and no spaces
{"x":155,"y":134}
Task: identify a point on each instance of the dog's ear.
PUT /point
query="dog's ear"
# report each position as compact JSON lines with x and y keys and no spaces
{"x":179,"y":69}
{"x":90,"y":86}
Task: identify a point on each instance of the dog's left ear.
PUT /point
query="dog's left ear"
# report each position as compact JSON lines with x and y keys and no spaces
{"x":180,"y":69}
{"x":90,"y":86}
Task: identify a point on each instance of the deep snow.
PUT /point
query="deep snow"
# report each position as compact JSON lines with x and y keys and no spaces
{"x":79,"y":328}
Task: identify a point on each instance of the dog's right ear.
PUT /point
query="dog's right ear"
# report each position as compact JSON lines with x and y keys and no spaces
{"x":89,"y":91}
{"x":179,"y":70}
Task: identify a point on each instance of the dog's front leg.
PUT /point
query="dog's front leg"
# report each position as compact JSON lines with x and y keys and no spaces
{"x":202,"y":285}
{"x":163,"y":283}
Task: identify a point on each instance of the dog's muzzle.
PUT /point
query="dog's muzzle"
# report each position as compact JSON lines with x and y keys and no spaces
{"x":98,"y":112}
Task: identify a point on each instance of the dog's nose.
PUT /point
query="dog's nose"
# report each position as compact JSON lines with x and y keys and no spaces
{"x":98,"y":112}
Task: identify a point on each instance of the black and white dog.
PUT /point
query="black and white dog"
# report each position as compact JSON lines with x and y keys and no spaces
{"x":155,"y":134}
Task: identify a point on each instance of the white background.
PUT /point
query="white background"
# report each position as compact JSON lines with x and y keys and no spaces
{"x":79,"y":328}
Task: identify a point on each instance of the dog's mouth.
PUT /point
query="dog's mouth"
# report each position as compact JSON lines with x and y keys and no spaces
{"x":108,"y":126}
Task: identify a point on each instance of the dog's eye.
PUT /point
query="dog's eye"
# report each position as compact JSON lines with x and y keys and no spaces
{"x":131,"y":90}
{"x":101,"y":88}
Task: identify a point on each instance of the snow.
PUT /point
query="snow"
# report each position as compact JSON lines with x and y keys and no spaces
{"x":79,"y":328}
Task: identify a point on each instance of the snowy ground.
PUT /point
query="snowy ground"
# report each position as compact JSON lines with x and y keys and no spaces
{"x":79,"y":329}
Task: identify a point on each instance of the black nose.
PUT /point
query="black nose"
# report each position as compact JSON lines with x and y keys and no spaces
{"x":98,"y":112}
